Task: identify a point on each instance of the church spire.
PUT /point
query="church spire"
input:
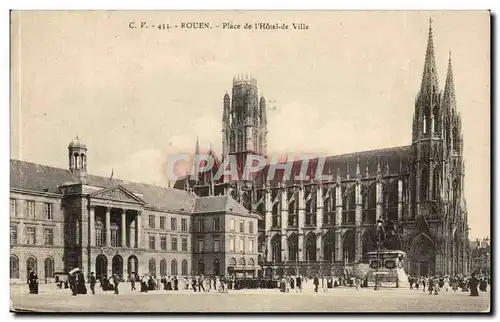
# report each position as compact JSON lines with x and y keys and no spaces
{"x":449,"y":88}
{"x":430,"y":82}
{"x":197,"y":148}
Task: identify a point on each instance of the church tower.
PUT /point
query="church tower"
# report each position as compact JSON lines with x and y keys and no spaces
{"x":244,"y":122}
{"x":77,"y":152}
{"x":426,"y":159}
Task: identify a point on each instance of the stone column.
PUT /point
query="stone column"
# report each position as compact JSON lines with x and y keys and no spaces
{"x":338,"y":246}
{"x":358,"y":249}
{"x":132,"y":234}
{"x":284,"y":224}
{"x":269,"y":221}
{"x":319,"y":246}
{"x":338,"y":210}
{"x":108,"y":227}
{"x":400,"y":200}
{"x":138,"y":229}
{"x":124,"y":228}
{"x":92,"y":226}
{"x":300,"y":225}
{"x":319,"y":208}
{"x":378,"y":210}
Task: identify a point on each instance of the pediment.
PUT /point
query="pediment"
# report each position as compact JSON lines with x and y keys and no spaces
{"x":117,"y":193}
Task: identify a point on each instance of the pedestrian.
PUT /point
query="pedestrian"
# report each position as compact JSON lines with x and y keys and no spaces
{"x":176,"y":283}
{"x":193,"y":283}
{"x":316,"y":283}
{"x":92,"y":281}
{"x":473,"y":285}
{"x":116,"y":282}
{"x":31,"y":281}
{"x":299,"y":283}
{"x":201,"y":281}
{"x":72,"y":284}
{"x":132,"y":281}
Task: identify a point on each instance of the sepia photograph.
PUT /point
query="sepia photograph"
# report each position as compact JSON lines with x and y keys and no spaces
{"x":250,"y":161}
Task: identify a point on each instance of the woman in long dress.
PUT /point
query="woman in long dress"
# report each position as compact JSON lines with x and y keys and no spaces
{"x":473,"y":286}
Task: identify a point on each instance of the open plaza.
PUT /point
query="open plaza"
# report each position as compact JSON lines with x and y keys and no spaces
{"x":342,"y":299}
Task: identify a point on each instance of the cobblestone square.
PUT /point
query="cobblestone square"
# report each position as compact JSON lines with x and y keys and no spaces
{"x":335,"y":300}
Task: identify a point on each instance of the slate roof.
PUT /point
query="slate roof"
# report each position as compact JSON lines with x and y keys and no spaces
{"x":36,"y":177}
{"x":220,"y":203}
{"x":397,"y":158}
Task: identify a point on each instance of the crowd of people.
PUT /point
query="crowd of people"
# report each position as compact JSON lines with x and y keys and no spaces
{"x":200,"y":283}
{"x":434,"y":284}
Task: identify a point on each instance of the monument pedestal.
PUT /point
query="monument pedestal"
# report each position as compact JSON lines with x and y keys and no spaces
{"x":391,"y":270}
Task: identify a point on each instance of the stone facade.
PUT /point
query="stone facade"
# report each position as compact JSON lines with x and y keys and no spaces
{"x":61,"y":219}
{"x":312,"y":225}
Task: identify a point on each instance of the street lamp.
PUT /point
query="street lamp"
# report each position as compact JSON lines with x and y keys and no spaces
{"x":380,"y":229}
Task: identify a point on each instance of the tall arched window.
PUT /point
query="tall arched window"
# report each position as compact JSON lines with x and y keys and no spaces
{"x":173,"y":267}
{"x":435,"y":183}
{"x":163,"y":267}
{"x":14,"y":266}
{"x":152,"y":267}
{"x":77,"y":232}
{"x":185,"y":267}
{"x":424,"y":183}
{"x":424,"y":124}
{"x":435,"y":121}
{"x":49,"y":267}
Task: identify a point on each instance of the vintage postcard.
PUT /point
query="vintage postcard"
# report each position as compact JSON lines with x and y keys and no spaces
{"x":250,"y":161}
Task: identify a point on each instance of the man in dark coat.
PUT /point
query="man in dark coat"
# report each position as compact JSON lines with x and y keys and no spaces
{"x":116,"y":281}
{"x":81,"y":287}
{"x":92,"y":281}
{"x":316,"y":283}
{"x":299,"y":283}
{"x":31,"y":281}
{"x":176,"y":284}
{"x":132,"y":281}
{"x":73,"y":284}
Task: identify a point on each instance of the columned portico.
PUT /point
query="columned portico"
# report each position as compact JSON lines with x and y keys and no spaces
{"x":108,"y":227}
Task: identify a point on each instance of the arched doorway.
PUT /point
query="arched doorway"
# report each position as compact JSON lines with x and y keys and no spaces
{"x":185,"y":270}
{"x":422,"y":256}
{"x":101,"y":266}
{"x":348,"y":246}
{"x":311,"y":247}
{"x":163,"y":267}
{"x":31,"y":264}
{"x":276,"y":248}
{"x":293,"y":249}
{"x":14,"y":266}
{"x":216,"y":267}
{"x":117,"y":265}
{"x":49,"y":267}
{"x":173,"y":267}
{"x":133,"y":264}
{"x":329,"y":246}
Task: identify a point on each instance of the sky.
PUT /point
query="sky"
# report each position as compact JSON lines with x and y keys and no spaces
{"x":135,"y":96}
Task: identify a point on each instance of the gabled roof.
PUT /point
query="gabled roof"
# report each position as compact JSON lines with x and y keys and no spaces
{"x":42,"y":178}
{"x":118,"y":193}
{"x":220,"y":204}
